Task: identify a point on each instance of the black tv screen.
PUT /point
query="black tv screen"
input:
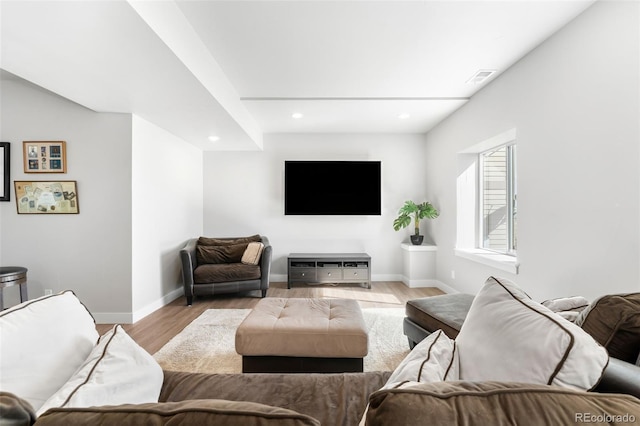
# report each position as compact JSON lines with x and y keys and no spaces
{"x":332,"y":188}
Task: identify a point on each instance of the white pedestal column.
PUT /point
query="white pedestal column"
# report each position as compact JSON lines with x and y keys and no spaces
{"x":419,"y":265}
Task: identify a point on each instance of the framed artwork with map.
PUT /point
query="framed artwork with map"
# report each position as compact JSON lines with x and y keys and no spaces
{"x":41,"y":197}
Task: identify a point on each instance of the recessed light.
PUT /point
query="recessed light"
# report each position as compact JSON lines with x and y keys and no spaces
{"x":297,"y":115}
{"x":404,"y":116}
{"x":214,"y":138}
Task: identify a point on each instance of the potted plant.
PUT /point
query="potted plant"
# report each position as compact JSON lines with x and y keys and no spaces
{"x":416,"y":211}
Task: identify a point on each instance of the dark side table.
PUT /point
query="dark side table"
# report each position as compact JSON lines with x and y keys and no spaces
{"x":10,"y":276}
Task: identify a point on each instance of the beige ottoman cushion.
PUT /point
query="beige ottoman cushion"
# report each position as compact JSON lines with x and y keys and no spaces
{"x":322,"y":328}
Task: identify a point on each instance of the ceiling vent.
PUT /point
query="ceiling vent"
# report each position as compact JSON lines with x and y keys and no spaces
{"x":480,"y":76}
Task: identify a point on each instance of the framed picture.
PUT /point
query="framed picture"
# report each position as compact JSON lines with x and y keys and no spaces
{"x":41,"y":197}
{"x":5,"y":175}
{"x":44,"y":156}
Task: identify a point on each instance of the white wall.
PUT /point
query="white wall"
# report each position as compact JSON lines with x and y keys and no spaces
{"x":89,"y":253}
{"x":167,"y":211}
{"x":575,"y":104}
{"x":140,"y":198}
{"x":243,"y":195}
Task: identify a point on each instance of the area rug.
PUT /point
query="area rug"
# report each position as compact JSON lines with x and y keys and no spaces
{"x":207,"y":345}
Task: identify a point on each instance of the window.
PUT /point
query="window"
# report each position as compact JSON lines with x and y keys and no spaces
{"x":498,"y":192}
{"x":486,"y":224}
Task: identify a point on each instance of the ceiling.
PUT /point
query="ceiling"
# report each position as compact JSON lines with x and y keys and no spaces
{"x":240,"y":69}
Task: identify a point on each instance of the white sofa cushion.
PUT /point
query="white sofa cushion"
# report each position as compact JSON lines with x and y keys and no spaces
{"x":117,"y":371}
{"x":42,"y":342}
{"x":509,"y":337}
{"x":431,"y":360}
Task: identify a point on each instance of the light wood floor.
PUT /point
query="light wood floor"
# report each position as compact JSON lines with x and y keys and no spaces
{"x":156,"y":329}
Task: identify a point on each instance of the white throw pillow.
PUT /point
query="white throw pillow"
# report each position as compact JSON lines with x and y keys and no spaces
{"x":509,"y":337}
{"x":566,"y":304}
{"x":117,"y":371}
{"x":431,"y":360}
{"x":42,"y":342}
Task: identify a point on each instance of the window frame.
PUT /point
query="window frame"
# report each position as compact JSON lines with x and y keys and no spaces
{"x":511,"y":199}
{"x":467,"y":245}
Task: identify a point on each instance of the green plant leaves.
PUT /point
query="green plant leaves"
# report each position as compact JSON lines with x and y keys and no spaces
{"x":416,"y":211}
{"x":401,"y":221}
{"x":427,"y":211}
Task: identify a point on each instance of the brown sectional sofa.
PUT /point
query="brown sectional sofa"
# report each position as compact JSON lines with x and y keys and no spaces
{"x":613,"y":321}
{"x":186,"y":398}
{"x":281,"y":399}
{"x":341,"y":400}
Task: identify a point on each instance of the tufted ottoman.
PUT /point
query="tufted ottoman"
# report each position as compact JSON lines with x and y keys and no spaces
{"x":303,"y":336}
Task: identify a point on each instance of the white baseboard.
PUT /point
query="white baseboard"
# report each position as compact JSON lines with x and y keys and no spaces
{"x":278,"y":278}
{"x":419,"y":283}
{"x":386,"y":277}
{"x":154,"y":306}
{"x":132,"y":317}
{"x":428,"y":283}
{"x":449,"y":290}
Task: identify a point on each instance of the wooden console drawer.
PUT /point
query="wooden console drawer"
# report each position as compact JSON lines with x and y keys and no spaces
{"x":328,"y":274}
{"x":355,"y":274}
{"x":302,"y":274}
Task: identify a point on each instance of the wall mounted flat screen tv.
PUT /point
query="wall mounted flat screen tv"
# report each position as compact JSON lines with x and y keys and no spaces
{"x":332,"y":188}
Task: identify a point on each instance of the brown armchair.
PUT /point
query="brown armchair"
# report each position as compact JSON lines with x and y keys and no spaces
{"x":213,"y":266}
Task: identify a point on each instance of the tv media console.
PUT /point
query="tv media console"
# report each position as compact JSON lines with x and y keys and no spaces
{"x":319,"y":268}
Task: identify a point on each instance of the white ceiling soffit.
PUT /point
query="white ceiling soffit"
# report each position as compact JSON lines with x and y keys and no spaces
{"x":102,"y":55}
{"x":238,"y":69}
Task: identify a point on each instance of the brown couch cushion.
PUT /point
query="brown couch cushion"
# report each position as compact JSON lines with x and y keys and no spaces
{"x":231,"y":253}
{"x":191,"y":412}
{"x":445,"y":312}
{"x":614,"y":322}
{"x":206,"y":241}
{"x":15,"y":411}
{"x":496,"y":403}
{"x":225,"y":272}
{"x":334,"y":399}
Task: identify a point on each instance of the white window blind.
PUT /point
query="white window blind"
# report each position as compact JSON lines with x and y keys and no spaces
{"x":498,"y":195}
